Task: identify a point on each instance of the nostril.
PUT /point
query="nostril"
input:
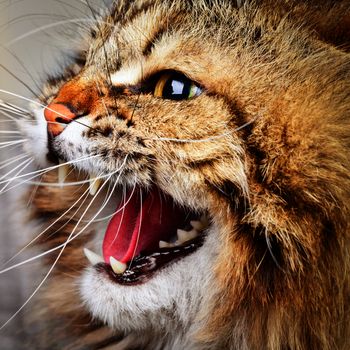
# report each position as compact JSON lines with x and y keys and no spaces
{"x":61,"y":120}
{"x":56,"y":115}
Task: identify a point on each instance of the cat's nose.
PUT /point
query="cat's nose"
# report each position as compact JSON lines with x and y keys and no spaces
{"x":58,"y":116}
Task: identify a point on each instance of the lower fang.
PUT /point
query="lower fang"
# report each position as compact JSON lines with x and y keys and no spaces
{"x":163,"y":244}
{"x":184,"y":236}
{"x":117,"y":266}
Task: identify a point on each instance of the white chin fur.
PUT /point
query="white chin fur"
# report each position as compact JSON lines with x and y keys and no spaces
{"x":36,"y":134}
{"x":166,"y":305}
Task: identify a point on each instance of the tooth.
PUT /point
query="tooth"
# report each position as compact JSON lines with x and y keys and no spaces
{"x":62,"y":172}
{"x":163,"y":244}
{"x":95,"y":184}
{"x":117,"y":266}
{"x":184,"y":236}
{"x":198,"y":225}
{"x":93,"y":257}
{"x":205,"y":221}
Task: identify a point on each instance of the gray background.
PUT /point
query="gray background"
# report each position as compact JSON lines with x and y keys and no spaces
{"x":29,"y":59}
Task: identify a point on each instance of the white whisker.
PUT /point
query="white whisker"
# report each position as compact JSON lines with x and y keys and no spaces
{"x":41,"y":105}
{"x":108,"y":197}
{"x":15,"y":168}
{"x":9,"y":132}
{"x":23,"y":116}
{"x":14,"y":107}
{"x":72,"y":237}
{"x":27,"y":181}
{"x":121,"y":208}
{"x":51,"y":25}
{"x":7,"y":162}
{"x":86,"y":193}
{"x":6,"y":144}
{"x":43,"y":171}
{"x":12,"y":142}
{"x":138,"y":232}
{"x":10,"y":108}
{"x":23,"y":167}
{"x":208,"y":139}
{"x":12,"y":118}
{"x":42,"y":281}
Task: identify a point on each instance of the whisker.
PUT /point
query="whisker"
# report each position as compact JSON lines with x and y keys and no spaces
{"x":103,"y":43}
{"x":10,"y":148}
{"x":20,"y":62}
{"x":27,"y":16}
{"x":73,"y":237}
{"x":27,"y":181}
{"x":14,"y":107}
{"x":15,"y":168}
{"x":46,"y":107}
{"x":7,"y":115}
{"x":23,"y":167}
{"x":86,"y":193}
{"x":138,"y":232}
{"x":36,"y":289}
{"x":122,"y":208}
{"x":104,"y":203}
{"x":7,"y":121}
{"x":71,"y":6}
{"x":11,"y":143}
{"x":45,"y":170}
{"x":9,"y":132}
{"x":122,"y":217}
{"x":212,"y":138}
{"x":12,"y":160}
{"x":20,"y":80}
{"x":43,"y":280}
{"x":51,"y":25}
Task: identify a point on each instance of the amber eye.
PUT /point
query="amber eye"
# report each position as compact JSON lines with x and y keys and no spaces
{"x":175,"y":86}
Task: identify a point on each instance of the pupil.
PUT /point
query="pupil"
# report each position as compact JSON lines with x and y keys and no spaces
{"x":176,"y":89}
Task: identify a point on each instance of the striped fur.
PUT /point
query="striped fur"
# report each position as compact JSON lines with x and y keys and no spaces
{"x":276,"y":184}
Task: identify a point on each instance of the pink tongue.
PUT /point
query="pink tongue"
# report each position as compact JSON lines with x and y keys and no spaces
{"x":146,"y":219}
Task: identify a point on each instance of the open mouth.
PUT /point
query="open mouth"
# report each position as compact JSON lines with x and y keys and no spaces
{"x":147,"y":232}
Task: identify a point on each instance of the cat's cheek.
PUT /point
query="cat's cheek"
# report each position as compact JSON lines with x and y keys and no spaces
{"x":182,"y":286}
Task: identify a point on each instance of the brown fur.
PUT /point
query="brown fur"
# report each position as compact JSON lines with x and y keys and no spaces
{"x":282,"y":274}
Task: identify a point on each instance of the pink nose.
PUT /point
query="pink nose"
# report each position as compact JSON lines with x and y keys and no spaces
{"x":57,"y":116}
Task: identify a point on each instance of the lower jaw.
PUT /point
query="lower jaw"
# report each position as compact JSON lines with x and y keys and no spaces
{"x":147,"y":264}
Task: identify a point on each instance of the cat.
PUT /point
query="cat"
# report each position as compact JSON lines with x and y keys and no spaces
{"x":217,"y":133}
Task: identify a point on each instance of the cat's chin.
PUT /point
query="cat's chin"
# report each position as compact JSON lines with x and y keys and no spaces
{"x":165,"y":304}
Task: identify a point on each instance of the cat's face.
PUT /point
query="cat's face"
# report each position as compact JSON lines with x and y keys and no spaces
{"x":193,"y":118}
{"x":143,"y":115}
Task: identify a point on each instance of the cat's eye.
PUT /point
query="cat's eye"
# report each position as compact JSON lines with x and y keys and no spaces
{"x":176,"y":86}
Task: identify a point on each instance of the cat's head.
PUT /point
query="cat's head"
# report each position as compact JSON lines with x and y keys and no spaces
{"x":204,"y":119}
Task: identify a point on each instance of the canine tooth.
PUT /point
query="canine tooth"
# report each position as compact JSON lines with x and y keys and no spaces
{"x":184,"y":236}
{"x":62,"y":172}
{"x":204,"y":220}
{"x":163,"y":244}
{"x":94,"y":185}
{"x":117,"y":266}
{"x":93,"y":257}
{"x":198,"y":225}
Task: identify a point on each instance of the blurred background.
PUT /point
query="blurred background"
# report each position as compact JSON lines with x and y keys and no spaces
{"x":34,"y":36}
